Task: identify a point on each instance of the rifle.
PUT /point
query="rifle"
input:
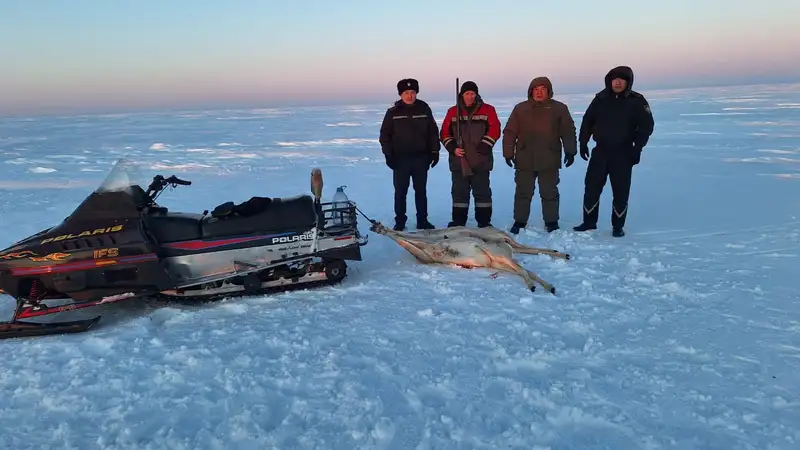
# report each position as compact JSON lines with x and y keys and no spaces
{"x":466,"y":168}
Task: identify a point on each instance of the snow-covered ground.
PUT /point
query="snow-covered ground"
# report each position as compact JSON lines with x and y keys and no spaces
{"x":684,"y":334}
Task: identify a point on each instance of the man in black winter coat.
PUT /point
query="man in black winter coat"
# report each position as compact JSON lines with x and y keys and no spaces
{"x":409,"y":139}
{"x":621,"y":123}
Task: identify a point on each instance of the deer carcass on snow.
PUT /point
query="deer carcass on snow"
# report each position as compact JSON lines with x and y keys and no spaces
{"x":467,"y":248}
{"x":488,"y":234}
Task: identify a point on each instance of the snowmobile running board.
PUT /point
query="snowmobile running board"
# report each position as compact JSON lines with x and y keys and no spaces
{"x":228,"y":288}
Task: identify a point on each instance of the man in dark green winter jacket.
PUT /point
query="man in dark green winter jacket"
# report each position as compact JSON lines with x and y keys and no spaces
{"x":533,"y":138}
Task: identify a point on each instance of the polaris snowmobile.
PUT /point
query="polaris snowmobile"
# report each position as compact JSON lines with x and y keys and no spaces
{"x":119,"y":244}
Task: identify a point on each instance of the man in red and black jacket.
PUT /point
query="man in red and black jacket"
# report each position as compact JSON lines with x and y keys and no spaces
{"x":471,"y":159}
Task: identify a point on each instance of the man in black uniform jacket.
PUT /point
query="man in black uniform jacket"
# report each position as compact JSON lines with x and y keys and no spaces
{"x":409,"y":140}
{"x":621,"y":123}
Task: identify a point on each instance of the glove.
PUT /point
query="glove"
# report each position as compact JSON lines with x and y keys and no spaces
{"x":585,"y":152}
{"x":483,"y":148}
{"x":434,"y":159}
{"x":568,"y":159}
{"x":389,"y":162}
{"x":510,"y":162}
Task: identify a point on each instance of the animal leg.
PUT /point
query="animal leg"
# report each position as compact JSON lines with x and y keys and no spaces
{"x":420,"y":256}
{"x":528,"y":250}
{"x":507,"y":265}
{"x":541,"y":281}
{"x":498,"y":235}
{"x":530,"y":277}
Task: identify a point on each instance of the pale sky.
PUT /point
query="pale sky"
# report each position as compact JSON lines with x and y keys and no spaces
{"x":101,"y":55}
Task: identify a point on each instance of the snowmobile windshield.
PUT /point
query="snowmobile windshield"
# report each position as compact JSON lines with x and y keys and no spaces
{"x":123,"y":176}
{"x":120,"y":195}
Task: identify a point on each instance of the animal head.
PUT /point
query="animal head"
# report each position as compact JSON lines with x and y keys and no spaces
{"x":377,"y":227}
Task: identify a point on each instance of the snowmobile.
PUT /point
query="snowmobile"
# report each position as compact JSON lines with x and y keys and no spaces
{"x":119,"y":244}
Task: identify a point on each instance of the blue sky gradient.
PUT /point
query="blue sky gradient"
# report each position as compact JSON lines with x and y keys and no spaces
{"x":103,"y":55}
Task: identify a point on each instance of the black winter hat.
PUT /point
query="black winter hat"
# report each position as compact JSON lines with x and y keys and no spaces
{"x":406,"y":84}
{"x":469,"y":86}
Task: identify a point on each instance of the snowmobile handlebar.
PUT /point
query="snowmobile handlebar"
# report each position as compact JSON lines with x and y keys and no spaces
{"x":175,"y":180}
{"x":159,"y":183}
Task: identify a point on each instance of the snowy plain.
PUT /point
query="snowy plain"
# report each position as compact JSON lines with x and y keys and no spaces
{"x":685,"y":334}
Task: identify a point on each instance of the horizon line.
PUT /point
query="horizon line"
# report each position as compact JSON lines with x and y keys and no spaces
{"x":435,"y":98}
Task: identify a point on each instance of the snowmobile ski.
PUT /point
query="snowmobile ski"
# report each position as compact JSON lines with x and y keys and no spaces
{"x":37,"y":309}
{"x":15,"y":329}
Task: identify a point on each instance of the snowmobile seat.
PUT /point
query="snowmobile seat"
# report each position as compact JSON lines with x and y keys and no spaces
{"x":173,"y":227}
{"x":276,"y":215}
{"x":255,"y":205}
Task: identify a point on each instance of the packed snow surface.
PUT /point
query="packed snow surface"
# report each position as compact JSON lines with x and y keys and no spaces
{"x":684,"y":334}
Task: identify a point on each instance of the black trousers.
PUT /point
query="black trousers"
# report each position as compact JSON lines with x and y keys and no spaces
{"x":479,"y":185}
{"x":411,"y":171}
{"x":616,"y":166}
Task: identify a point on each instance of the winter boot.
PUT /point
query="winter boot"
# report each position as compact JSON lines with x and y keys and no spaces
{"x":459,"y":217}
{"x":424,"y":225}
{"x":517,"y":226}
{"x":399,"y":225}
{"x":483,"y":215}
{"x":551,"y":226}
{"x":618,"y":232}
{"x":585,"y":227}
